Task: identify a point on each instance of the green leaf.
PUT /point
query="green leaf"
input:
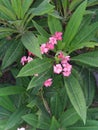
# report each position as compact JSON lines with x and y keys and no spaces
{"x":11,"y":90}
{"x":31,"y":43}
{"x":68,"y":118}
{"x":40,"y":30}
{"x":76,"y":96}
{"x":74,"y":23}
{"x":54,"y":24}
{"x":36,"y":66}
{"x":90,"y":125}
{"x":89,"y":58}
{"x":74,"y":4}
{"x":8,"y":13}
{"x":56,"y":105}
{"x":12,"y":54}
{"x":82,"y":45}
{"x":39,"y":80}
{"x":15,"y":118}
{"x":54,"y":124}
{"x":43,"y":8}
{"x":6,"y":103}
{"x":31,"y":119}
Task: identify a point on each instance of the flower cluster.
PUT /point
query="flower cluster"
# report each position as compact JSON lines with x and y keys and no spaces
{"x":63,"y":67}
{"x":51,"y":43}
{"x":26,"y":59}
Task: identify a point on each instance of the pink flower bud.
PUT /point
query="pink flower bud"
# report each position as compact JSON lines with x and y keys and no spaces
{"x":52,"y":40}
{"x":23,"y":60}
{"x":57,"y":68}
{"x":58,"y":35}
{"x":44,"y":48}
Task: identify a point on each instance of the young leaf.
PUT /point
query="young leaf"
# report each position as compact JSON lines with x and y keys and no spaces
{"x":12,"y":54}
{"x":36,"y":66}
{"x":31,"y":43}
{"x":89,"y":58}
{"x":76,"y":96}
{"x":54,"y":24}
{"x":68,"y":118}
{"x":74,"y":23}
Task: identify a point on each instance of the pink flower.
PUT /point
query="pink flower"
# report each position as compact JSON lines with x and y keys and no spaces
{"x":48,"y":82}
{"x":57,"y":68}
{"x":50,"y":46}
{"x":65,"y":59}
{"x":29,"y":59}
{"x":52,"y":40}
{"x":66,"y":73}
{"x":58,"y":35}
{"x":23,"y":60}
{"x":67,"y":69}
{"x":43,"y":48}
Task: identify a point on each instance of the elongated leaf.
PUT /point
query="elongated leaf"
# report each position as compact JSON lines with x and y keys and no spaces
{"x":68,"y":118}
{"x":12,"y":54}
{"x":89,"y":58}
{"x":15,"y":118}
{"x":31,"y":43}
{"x":36,"y":66}
{"x":40,"y":30}
{"x":39,"y":80}
{"x":7,"y":12}
{"x":54,"y":124}
{"x":43,"y":8}
{"x":76,"y":96}
{"x":11,"y":90}
{"x":6,"y":103}
{"x":82,"y":45}
{"x":31,"y":119}
{"x":54,"y":24}
{"x":74,"y":23}
{"x":74,"y":4}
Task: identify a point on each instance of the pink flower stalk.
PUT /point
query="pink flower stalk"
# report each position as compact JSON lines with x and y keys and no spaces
{"x":53,"y":40}
{"x":23,"y":60}
{"x":50,"y":46}
{"x":48,"y":82}
{"x":58,"y":35}
{"x":43,"y":48}
{"x":57,"y":68}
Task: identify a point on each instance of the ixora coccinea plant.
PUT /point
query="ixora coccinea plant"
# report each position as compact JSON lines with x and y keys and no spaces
{"x":62,"y":85}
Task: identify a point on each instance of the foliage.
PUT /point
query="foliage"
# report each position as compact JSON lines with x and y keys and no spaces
{"x":47,"y":93}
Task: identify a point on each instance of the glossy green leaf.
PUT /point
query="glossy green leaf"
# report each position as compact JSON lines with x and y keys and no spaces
{"x":76,"y":96}
{"x":68,"y":118}
{"x":74,"y":4}
{"x":36,"y":66}
{"x":11,"y":90}
{"x":43,"y":8}
{"x":15,"y":118}
{"x":74,"y":23}
{"x":13,"y":53}
{"x":31,"y":43}
{"x":89,"y":58}
{"x":54,"y":24}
